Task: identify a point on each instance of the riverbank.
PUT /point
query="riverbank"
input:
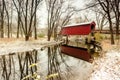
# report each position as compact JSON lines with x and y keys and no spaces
{"x":8,"y":46}
{"x":107,"y":67}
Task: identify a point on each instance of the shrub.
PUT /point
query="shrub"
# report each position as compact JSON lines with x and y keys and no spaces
{"x":41,"y":35}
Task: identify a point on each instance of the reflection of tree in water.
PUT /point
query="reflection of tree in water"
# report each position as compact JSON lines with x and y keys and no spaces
{"x":25,"y":61}
{"x":9,"y":69}
{"x":6,"y":66}
{"x":55,"y":60}
{"x":16,"y":66}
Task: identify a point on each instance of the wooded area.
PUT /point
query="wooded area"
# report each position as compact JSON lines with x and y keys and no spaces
{"x":20,"y":16}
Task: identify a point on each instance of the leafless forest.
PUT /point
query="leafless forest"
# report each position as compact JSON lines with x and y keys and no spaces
{"x":20,"y":17}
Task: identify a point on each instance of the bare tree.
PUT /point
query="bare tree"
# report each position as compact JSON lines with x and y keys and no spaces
{"x":35,"y":27}
{"x":18,"y":8}
{"x":6,"y":10}
{"x":116,"y":9}
{"x":26,"y":11}
{"x":106,"y":6}
{"x":11,"y":17}
{"x":2,"y":11}
{"x":6,"y":4}
{"x":101,"y":18}
{"x":107,"y":12}
{"x":82,"y":18}
{"x":58,"y":16}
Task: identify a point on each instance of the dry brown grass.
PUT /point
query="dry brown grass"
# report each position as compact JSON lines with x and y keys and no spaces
{"x":7,"y":40}
{"x":106,"y":45}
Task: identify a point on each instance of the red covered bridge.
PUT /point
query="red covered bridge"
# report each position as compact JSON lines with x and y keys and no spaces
{"x":78,"y":29}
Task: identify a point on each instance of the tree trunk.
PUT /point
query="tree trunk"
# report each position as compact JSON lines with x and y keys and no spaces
{"x":55,"y":33}
{"x":117,"y":27}
{"x":26,"y":37}
{"x":2,"y":19}
{"x":18,"y":25}
{"x":26,"y":21}
{"x":11,"y":17}
{"x":49,"y":35}
{"x":35,"y":32}
{"x":35,"y":19}
{"x":48,"y":38}
{"x":111,"y":29}
{"x":2,"y":25}
{"x":8,"y":21}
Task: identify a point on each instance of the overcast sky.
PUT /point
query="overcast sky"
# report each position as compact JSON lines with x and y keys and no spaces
{"x":42,"y":13}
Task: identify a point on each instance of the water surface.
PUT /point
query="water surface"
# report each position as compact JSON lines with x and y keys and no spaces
{"x":18,"y":66}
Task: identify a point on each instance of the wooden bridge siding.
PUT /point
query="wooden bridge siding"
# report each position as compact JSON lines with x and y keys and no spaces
{"x":76,"y":30}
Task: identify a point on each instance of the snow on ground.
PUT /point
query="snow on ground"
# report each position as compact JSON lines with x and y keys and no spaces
{"x":108,"y":66}
{"x":22,"y":46}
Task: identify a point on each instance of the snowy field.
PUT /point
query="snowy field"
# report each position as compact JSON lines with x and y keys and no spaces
{"x":22,"y":46}
{"x":108,"y":66}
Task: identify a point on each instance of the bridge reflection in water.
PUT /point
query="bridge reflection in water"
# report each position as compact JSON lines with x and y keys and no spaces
{"x":77,"y":52}
{"x":16,"y":66}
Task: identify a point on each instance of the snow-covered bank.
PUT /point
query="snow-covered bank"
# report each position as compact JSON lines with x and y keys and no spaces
{"x":107,"y":67}
{"x":22,"y":46}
